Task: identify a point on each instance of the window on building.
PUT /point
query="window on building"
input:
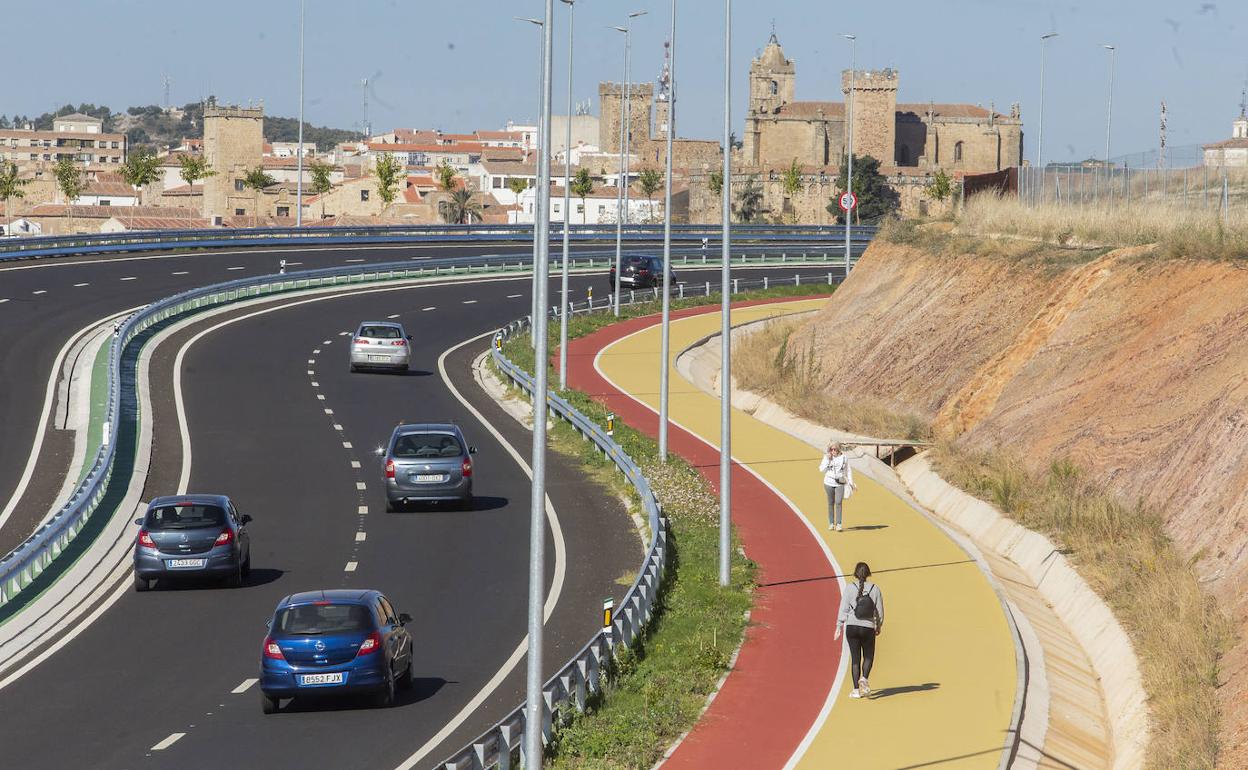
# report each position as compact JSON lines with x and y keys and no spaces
{"x":603,"y":209}
{"x":580,"y":208}
{"x":498,"y":183}
{"x":283,"y":211}
{"x":775,"y":88}
{"x":957,"y":152}
{"x":363,"y":195}
{"x":556,"y":208}
{"x":105,"y":202}
{"x":238,"y":185}
{"x":903,"y":155}
{"x":239,"y":212}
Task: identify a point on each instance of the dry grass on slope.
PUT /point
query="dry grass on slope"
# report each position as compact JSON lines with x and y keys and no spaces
{"x":1194,"y":232}
{"x":1124,"y":554}
{"x":761,"y":363}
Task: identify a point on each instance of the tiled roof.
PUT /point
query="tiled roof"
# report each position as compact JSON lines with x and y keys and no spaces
{"x":119,"y":189}
{"x":161,"y":223}
{"x":104,"y":212}
{"x":1227,"y":144}
{"x":491,"y":136}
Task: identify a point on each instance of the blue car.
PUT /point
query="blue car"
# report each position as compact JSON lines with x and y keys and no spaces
{"x":335,"y":642}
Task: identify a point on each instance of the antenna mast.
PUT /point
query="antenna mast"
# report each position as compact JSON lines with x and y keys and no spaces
{"x":368,"y":129}
{"x":167,"y":83}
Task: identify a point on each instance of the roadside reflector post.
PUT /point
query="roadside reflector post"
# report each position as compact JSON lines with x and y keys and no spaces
{"x":608,"y":612}
{"x":764,"y":282}
{"x":498,"y":341}
{"x":611,"y":424}
{"x":734,"y":286}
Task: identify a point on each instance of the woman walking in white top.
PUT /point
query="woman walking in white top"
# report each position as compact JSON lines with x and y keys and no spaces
{"x":837,"y":476}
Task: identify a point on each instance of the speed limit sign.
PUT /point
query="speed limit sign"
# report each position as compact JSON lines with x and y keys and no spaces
{"x":848,"y":201}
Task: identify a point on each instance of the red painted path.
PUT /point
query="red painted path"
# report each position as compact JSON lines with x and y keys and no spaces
{"x":788,"y":661}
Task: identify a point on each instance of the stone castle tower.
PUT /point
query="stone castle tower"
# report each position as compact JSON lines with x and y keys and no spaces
{"x":772,"y":80}
{"x":611,"y":108}
{"x":875,"y":107}
{"x":233,"y":144}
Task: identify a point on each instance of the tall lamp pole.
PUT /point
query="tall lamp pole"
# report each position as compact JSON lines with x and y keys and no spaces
{"x":567,"y":214}
{"x":849,"y":168}
{"x":725,"y":330}
{"x":667,"y":243}
{"x":537,"y":212}
{"x":299,"y":163}
{"x":537,"y":500}
{"x":1109,"y":99}
{"x":626,"y":136}
{"x":1040,"y":136}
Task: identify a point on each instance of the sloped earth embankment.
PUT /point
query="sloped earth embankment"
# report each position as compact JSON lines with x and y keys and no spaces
{"x":1134,"y":368}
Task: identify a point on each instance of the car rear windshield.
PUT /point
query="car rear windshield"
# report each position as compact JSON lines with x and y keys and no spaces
{"x":185,"y":516}
{"x":636,"y":262}
{"x":427,"y":445}
{"x":380,"y":332}
{"x":314,"y":619}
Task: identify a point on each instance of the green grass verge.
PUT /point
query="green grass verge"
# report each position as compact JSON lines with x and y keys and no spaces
{"x":1123,"y":552}
{"x":656,"y":690}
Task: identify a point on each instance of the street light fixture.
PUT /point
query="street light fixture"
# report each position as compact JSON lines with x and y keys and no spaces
{"x":1040,"y":137}
{"x":849,"y":119}
{"x":665,"y":346}
{"x":1109,"y":101}
{"x":626,"y":135}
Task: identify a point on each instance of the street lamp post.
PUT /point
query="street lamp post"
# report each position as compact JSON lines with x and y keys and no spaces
{"x":567,"y":214}
{"x":725,"y":329}
{"x":1109,"y":99}
{"x":299,"y":163}
{"x":537,"y":499}
{"x":1040,"y":134}
{"x":537,"y":213}
{"x":626,"y":134}
{"x":849,"y":168}
{"x":667,"y":243}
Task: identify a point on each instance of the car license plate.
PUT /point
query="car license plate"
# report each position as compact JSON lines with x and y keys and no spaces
{"x":186,"y":563}
{"x":429,"y":477}
{"x":315,"y":679}
{"x":382,"y":359}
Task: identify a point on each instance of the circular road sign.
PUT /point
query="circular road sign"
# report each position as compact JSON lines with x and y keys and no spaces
{"x":848,"y":201}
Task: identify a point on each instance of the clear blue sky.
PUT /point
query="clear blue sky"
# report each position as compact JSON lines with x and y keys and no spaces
{"x":459,"y":65}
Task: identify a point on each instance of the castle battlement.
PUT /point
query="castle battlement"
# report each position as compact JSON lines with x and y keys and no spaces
{"x":230,"y":111}
{"x":870,"y":79}
{"x":635,"y":91}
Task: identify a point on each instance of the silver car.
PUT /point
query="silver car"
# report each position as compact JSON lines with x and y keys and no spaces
{"x":427,"y":463}
{"x":380,"y":345}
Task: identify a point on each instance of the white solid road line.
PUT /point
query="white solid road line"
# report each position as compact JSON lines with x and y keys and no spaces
{"x":166,"y":743}
{"x":129,"y":278}
{"x":361,"y":537}
{"x":244,"y":687}
{"x":351,"y":565}
{"x":552,"y":598}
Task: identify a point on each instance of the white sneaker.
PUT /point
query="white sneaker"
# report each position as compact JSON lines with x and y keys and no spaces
{"x":864,"y":687}
{"x":838,"y":527}
{"x":854,"y":694}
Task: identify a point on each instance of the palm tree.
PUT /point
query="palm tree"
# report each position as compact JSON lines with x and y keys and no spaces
{"x":582,"y":186}
{"x":194,"y":168}
{"x":650,"y":180}
{"x":257,"y":180}
{"x":69,"y":179}
{"x":459,"y":208}
{"x":11,"y":185}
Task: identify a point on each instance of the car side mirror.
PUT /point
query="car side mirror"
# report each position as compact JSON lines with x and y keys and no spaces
{"x":139,"y":520}
{"x":409,"y":337}
{"x":472,"y":450}
{"x":404,"y":618}
{"x":246,"y":518}
{"x":269,"y":624}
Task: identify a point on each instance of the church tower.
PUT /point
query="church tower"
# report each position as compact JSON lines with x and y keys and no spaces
{"x":771,"y":80}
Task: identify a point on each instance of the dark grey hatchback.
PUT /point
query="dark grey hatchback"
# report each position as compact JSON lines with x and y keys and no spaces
{"x":191,"y":536}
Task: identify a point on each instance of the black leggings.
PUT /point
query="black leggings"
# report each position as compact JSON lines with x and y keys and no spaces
{"x":861,"y":650}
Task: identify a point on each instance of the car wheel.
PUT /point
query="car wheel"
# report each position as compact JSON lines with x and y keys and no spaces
{"x":269,"y":705}
{"x":142,"y":584}
{"x":385,"y":698}
{"x":405,"y":681}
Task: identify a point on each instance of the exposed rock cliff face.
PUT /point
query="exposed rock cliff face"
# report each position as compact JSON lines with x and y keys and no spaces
{"x":1133,"y":367}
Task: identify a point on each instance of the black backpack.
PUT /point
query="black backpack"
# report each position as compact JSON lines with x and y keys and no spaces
{"x":864,"y":605}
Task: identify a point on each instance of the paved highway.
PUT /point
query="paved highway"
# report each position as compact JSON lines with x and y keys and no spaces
{"x":164,"y":679}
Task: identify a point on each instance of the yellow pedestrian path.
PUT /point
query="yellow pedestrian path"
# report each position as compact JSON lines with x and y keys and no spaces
{"x":945,"y":675}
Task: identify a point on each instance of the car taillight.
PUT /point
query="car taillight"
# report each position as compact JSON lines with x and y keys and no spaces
{"x":225,"y":538}
{"x":145,"y":539}
{"x":370,"y":645}
{"x":360,"y":341}
{"x":466,"y":468}
{"x":272,"y":651}
{"x":399,"y":342}
{"x":643,"y":271}
{"x":389,"y":469}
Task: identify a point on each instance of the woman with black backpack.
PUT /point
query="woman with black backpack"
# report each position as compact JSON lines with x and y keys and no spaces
{"x":862,"y":618}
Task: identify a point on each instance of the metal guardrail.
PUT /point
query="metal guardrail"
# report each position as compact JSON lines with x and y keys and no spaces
{"x":580,"y":677}
{"x":105,"y":243}
{"x":24,"y":564}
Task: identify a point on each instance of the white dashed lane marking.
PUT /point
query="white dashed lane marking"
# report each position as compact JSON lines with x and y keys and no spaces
{"x":40,"y":291}
{"x":326,"y":342}
{"x":427,"y":309}
{"x":470,"y":302}
{"x":166,"y":743}
{"x":351,"y":565}
{"x":392,"y":317}
{"x":320,"y":396}
{"x":357,"y":259}
{"x":80,"y":285}
{"x":244,"y":687}
{"x":3,"y":300}
{"x":316,"y":384}
{"x":180,"y":272}
{"x":513,"y":296}
{"x":337,"y":427}
{"x":346,"y":445}
{"x":361,"y":537}
{"x":130,"y":278}
{"x":362,"y":510}
{"x":355,"y":463}
{"x":240,"y":267}
{"x":344,"y":334}
{"x":360,"y":485}
{"x":310,"y":372}
{"x":329,"y":411}
{"x":311,"y":360}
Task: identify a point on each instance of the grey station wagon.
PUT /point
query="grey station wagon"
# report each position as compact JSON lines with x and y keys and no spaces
{"x":428,"y":462}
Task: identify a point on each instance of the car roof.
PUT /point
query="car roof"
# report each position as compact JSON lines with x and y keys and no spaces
{"x":220,"y":500}
{"x":426,"y":427}
{"x":335,"y":595}
{"x":382,"y":323}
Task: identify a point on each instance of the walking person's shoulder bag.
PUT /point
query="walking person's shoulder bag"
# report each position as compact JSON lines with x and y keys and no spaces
{"x":842,"y":473}
{"x":864,"y":605}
